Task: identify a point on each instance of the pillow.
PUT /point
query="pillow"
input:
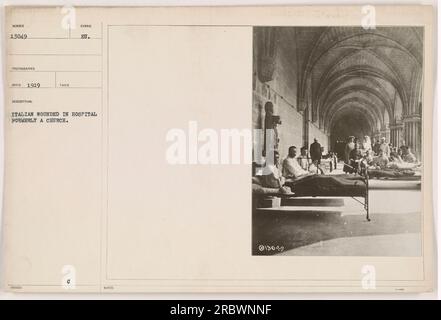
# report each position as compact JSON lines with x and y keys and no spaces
{"x":256,"y":180}
{"x":257,"y":189}
{"x":270,"y":190}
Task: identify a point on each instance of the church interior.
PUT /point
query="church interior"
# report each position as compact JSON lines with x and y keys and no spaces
{"x":325,"y":85}
{"x":333,"y":82}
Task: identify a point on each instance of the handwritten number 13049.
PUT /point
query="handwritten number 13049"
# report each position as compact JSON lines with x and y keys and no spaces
{"x":18,"y":36}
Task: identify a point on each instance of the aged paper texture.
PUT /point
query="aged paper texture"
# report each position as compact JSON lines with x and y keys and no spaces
{"x":132,"y":160}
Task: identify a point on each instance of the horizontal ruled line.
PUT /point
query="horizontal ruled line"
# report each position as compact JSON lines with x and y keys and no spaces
{"x":54,"y":54}
{"x":31,"y":88}
{"x":55,"y":88}
{"x":49,"y":38}
{"x":55,"y":71}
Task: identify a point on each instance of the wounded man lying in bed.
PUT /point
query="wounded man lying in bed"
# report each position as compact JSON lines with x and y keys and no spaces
{"x":393,"y":167}
{"x":303,"y":183}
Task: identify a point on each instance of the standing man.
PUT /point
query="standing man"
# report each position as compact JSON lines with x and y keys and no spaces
{"x":384,"y":147}
{"x":355,"y":157}
{"x":349,"y":147}
{"x":315,"y":151}
{"x":403,"y":146}
{"x":376,"y":147}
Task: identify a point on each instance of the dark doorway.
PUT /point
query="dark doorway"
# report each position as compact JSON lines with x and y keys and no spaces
{"x":349,"y":124}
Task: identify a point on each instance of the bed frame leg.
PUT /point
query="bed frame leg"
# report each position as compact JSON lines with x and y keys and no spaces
{"x":367,"y":211}
{"x":366,"y":199}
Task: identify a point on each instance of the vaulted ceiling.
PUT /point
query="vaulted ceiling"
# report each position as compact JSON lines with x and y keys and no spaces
{"x":377,"y":72}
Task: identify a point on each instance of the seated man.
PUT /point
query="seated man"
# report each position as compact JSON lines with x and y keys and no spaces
{"x":408,"y":156}
{"x":380,"y":161}
{"x":291,"y":168}
{"x":303,"y":159}
{"x":355,"y":156}
{"x":394,"y":156}
{"x":272,"y":177}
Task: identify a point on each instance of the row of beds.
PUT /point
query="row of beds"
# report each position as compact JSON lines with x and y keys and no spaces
{"x":353,"y":186}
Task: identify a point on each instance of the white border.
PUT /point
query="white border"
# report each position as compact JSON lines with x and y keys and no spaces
{"x":436,"y":148}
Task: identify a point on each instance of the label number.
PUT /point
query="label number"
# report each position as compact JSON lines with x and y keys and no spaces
{"x":18,"y":36}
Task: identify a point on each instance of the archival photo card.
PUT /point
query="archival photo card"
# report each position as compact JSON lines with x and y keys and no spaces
{"x":218,"y":149}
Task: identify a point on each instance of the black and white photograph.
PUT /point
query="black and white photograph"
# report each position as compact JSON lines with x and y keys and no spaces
{"x":130,"y":134}
{"x":337,"y":123}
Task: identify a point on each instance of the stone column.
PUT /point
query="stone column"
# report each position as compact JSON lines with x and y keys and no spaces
{"x":412,"y":133}
{"x":396,"y":133}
